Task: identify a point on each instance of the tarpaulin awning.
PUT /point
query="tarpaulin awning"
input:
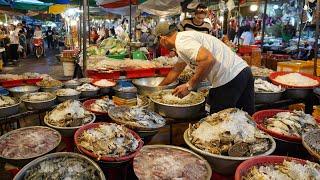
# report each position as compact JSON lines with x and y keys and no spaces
{"x":124,"y":11}
{"x":161,"y":7}
{"x":118,"y":3}
{"x":33,"y":5}
{"x":58,"y":8}
{"x":4,"y":2}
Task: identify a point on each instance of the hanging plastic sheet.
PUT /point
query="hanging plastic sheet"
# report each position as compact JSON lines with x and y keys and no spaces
{"x":161,"y":7}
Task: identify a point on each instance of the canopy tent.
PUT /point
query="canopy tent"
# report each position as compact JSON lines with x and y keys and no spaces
{"x":161,"y":7}
{"x":118,"y":3}
{"x":32,"y":5}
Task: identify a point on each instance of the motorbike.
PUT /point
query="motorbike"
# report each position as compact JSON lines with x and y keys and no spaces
{"x":38,"y":47}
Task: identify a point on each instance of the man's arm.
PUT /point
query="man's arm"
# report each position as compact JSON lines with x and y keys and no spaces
{"x":174,"y":73}
{"x":205,"y":62}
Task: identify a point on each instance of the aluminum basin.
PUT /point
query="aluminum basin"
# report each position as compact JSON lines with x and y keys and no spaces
{"x":147,"y":86}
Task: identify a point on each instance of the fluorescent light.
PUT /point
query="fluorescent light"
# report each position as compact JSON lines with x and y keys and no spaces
{"x":275,"y":7}
{"x":162,"y":19}
{"x":253,"y":7}
{"x":221,"y":18}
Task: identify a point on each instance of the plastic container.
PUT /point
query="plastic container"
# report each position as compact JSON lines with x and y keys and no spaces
{"x":163,"y":71}
{"x":11,"y":83}
{"x":140,"y":73}
{"x":139,"y":55}
{"x":274,"y":75}
{"x":296,"y":66}
{"x":68,"y":68}
{"x":117,"y":56}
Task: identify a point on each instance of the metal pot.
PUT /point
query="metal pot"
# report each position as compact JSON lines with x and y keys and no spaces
{"x":180,"y":112}
{"x":38,"y":105}
{"x":50,"y":89}
{"x":22,"y":90}
{"x":147,"y":86}
{"x":298,"y":93}
{"x":67,"y":131}
{"x":22,"y":162}
{"x":25,"y":169}
{"x":61,"y":99}
{"x":9,"y":110}
{"x":224,"y":164}
{"x":88,"y":94}
{"x":72,"y":85}
{"x":268,"y":97}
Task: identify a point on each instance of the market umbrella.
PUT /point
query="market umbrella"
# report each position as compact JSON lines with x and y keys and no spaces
{"x":33,"y":5}
{"x":161,"y":7}
{"x":118,"y":3}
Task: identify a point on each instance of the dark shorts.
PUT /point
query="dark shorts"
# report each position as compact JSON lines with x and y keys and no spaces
{"x":238,"y":93}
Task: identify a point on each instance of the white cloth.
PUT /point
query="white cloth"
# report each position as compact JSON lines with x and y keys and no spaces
{"x":37,"y":34}
{"x":247,"y":38}
{"x":228,"y":64}
{"x":14,"y":36}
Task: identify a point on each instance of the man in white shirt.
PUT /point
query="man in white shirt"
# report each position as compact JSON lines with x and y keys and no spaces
{"x":247,"y":37}
{"x":231,"y":78}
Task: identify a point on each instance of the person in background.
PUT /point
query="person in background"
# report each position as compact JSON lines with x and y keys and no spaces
{"x":23,"y":43}
{"x":14,"y":43}
{"x":93,"y":35}
{"x":232,"y":31}
{"x":55,"y":36}
{"x":230,"y":76}
{"x":49,"y":36}
{"x":197,"y":23}
{"x":37,"y":32}
{"x":247,"y":37}
{"x":102,"y":34}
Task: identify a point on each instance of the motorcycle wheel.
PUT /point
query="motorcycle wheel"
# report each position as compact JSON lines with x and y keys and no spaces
{"x":39,"y":52}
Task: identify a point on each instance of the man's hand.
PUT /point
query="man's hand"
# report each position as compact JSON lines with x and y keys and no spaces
{"x":181,"y":91}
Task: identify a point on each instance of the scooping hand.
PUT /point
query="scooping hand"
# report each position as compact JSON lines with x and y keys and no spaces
{"x":181,"y":91}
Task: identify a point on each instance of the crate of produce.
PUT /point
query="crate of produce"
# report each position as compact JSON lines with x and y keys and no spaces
{"x":296,"y":66}
{"x":163,"y":71}
{"x":103,"y":74}
{"x":140,"y":73}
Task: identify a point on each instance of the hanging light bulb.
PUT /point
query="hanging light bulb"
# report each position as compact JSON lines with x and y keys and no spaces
{"x":253,"y":7}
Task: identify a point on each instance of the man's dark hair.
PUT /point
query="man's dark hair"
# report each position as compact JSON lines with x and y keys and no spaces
{"x":201,"y":6}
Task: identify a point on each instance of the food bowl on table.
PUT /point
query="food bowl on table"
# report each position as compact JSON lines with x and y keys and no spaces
{"x":67,"y":117}
{"x":84,"y":142}
{"x":147,"y":86}
{"x":98,"y":106}
{"x":85,"y":80}
{"x":67,"y":94}
{"x":8,"y":106}
{"x":261,"y":73}
{"x":145,"y":122}
{"x":298,"y":85}
{"x":72,"y":84}
{"x":20,"y":146}
{"x":49,"y":85}
{"x":296,"y":168}
{"x":246,"y":142}
{"x":266,"y":92}
{"x":88,"y":90}
{"x":311,"y":141}
{"x":179,"y":163}
{"x":104,"y":85}
{"x":38,"y":100}
{"x":22,"y":90}
{"x":79,"y":167}
{"x":278,"y":129}
{"x":167,"y":105}
{"x":316,"y":91}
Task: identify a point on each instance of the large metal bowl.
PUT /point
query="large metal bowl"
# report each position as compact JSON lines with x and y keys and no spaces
{"x":38,"y":105}
{"x":298,"y":93}
{"x":268,"y":97}
{"x":20,"y":162}
{"x":72,"y":85}
{"x":88,"y":94}
{"x":22,"y":90}
{"x":61,"y":99}
{"x":147,"y":86}
{"x":182,"y":149}
{"x":23,"y":171}
{"x":67,"y":131}
{"x":180,"y":112}
{"x":49,"y":89}
{"x":224,"y":164}
{"x":10,"y":110}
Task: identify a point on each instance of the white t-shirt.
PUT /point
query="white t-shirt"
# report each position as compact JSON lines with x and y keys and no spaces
{"x":37,"y":34}
{"x":14,"y":36}
{"x":228,"y":64}
{"x":247,"y":38}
